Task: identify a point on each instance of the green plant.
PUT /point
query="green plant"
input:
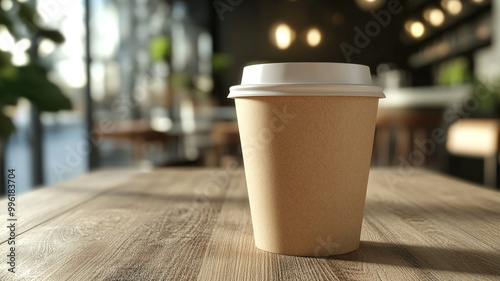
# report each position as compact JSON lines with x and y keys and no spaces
{"x":29,"y":81}
{"x":160,"y":49}
{"x":485,"y":99}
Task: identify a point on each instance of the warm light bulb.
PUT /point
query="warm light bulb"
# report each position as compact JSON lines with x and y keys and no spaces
{"x":453,"y":7}
{"x":417,"y":29}
{"x":370,"y":5}
{"x":283,"y":36}
{"x":434,"y":16}
{"x":313,"y":37}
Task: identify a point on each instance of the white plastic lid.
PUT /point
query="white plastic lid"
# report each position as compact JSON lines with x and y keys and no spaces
{"x":306,"y":79}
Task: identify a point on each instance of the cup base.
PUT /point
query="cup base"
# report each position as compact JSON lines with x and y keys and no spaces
{"x":319,"y":251}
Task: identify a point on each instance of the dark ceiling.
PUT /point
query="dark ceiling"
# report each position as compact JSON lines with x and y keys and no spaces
{"x":242,"y":28}
{"x":245,"y":34}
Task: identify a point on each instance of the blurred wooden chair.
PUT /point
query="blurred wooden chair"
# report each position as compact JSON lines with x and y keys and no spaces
{"x":477,"y":138}
{"x":226,"y":142}
{"x":397,"y":131}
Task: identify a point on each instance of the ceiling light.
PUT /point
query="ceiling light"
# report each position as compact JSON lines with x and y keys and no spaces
{"x":283,"y":36}
{"x":313,"y":37}
{"x":417,"y":29}
{"x":453,"y":7}
{"x":434,"y":16}
{"x":369,"y":5}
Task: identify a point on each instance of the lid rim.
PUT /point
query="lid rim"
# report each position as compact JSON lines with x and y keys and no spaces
{"x":307,"y":89}
{"x":341,"y":94}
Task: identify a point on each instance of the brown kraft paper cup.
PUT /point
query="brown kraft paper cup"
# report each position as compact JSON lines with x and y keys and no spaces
{"x":307,"y":160}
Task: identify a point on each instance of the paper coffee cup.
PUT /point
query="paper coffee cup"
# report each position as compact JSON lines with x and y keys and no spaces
{"x":306,"y":132}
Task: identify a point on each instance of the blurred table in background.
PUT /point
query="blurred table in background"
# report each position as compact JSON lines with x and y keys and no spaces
{"x":138,"y":132}
{"x":408,"y":117}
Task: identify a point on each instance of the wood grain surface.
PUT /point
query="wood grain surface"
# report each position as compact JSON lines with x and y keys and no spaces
{"x":195,"y":224}
{"x":43,"y":204}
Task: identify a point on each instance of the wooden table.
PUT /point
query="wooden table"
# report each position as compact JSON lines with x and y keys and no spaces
{"x":185,"y":224}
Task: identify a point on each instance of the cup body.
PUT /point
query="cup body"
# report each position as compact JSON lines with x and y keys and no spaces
{"x":306,"y":163}
{"x":307,"y":160}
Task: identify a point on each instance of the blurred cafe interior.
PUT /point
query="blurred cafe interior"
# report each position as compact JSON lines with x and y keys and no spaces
{"x":144,"y":83}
